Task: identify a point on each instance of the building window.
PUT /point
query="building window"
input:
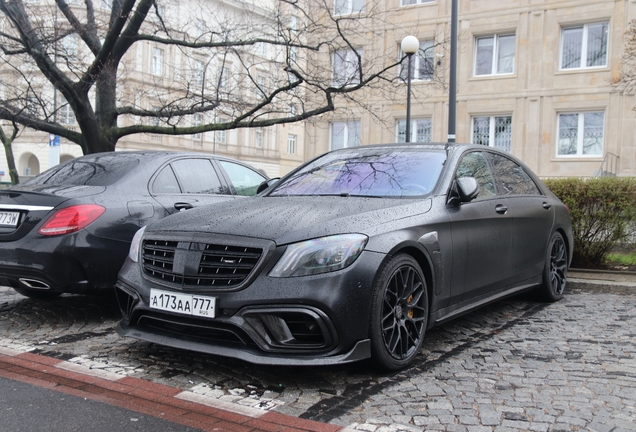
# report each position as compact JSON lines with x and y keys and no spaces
{"x":156,"y":67}
{"x":420,"y":130}
{"x":291,"y":144}
{"x":345,"y":67}
{"x":494,"y":131}
{"x":292,"y":110}
{"x":196,"y":121}
{"x":197,"y":73}
{"x":412,"y":2}
{"x":66,"y":115}
{"x":258,"y":138}
{"x":68,"y":46}
{"x":581,"y":134}
{"x":221,"y":135}
{"x":422,"y":64}
{"x":584,"y":46}
{"x":345,"y":134}
{"x":342,"y":7}
{"x":223,"y":77}
{"x":495,"y":55}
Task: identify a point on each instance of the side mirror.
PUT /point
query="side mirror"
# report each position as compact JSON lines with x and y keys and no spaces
{"x":266,"y":184}
{"x":464,"y":189}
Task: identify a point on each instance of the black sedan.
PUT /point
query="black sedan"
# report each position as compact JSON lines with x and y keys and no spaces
{"x":354,"y":255}
{"x":69,"y":229}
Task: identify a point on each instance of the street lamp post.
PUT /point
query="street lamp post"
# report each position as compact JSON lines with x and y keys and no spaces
{"x":410,"y":45}
{"x":452,"y":87}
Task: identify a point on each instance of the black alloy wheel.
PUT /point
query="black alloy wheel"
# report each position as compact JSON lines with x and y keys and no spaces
{"x":556,"y":270}
{"x":400,"y":313}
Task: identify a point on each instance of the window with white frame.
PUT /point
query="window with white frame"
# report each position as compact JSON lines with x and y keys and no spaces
{"x":345,"y":134}
{"x":420,"y":130}
{"x":221,"y":135}
{"x":495,"y":54}
{"x":412,"y":2}
{"x":156,"y":66}
{"x":197,"y":119}
{"x":346,"y":63}
{"x":66,"y":116}
{"x":258,"y":138}
{"x":197,"y":73}
{"x":584,"y":46}
{"x":291,"y":144}
{"x":261,"y":49}
{"x":422,"y":63}
{"x":292,"y":110}
{"x":493,"y":131}
{"x":260,"y":90}
{"x":342,"y":7}
{"x":581,"y":134}
{"x":224,"y":77}
{"x":69,"y":47}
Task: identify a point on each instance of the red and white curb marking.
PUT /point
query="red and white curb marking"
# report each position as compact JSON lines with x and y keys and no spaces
{"x":158,"y":400}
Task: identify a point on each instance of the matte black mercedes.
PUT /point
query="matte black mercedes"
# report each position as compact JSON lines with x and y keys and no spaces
{"x":68,"y":230}
{"x":354,"y":255}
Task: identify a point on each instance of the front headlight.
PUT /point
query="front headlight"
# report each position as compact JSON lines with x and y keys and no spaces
{"x":321,"y":255}
{"x":135,"y":245}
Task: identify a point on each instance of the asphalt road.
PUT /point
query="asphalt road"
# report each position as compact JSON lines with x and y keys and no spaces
{"x":515,"y":365}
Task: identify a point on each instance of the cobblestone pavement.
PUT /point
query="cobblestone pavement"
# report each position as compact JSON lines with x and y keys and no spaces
{"x":515,"y":365}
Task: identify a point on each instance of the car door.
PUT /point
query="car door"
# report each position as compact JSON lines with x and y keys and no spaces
{"x":532,"y":215}
{"x":189,"y":182}
{"x":482,"y":232}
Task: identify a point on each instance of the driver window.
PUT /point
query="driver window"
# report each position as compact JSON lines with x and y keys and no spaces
{"x":474,"y":165}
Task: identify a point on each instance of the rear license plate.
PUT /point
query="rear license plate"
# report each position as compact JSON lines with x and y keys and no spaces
{"x":186,"y":304}
{"x":9,"y":219}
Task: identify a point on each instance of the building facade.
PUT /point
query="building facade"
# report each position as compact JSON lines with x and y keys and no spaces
{"x":534,"y":77}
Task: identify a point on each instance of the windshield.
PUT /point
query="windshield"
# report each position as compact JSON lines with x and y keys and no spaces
{"x":102,"y":170}
{"x":377,"y":172}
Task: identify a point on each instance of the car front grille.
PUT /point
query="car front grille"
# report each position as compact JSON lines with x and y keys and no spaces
{"x":194,"y":264}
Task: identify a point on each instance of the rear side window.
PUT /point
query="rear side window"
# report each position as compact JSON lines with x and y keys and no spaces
{"x":474,"y":164}
{"x":512,"y":179}
{"x":102,"y":170}
{"x":197,"y":176}
{"x":244,"y":179}
{"x":166,"y":182}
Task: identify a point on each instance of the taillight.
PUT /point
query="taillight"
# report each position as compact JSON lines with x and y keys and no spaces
{"x":71,"y":219}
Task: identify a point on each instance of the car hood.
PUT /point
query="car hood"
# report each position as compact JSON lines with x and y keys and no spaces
{"x":286,"y":220}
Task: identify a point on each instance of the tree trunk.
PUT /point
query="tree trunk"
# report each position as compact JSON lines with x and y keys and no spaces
{"x":13,"y":171}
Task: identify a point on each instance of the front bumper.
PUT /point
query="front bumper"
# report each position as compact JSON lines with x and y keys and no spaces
{"x":313,"y":320}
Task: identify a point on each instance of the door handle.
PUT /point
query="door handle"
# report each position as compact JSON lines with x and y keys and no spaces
{"x":547,"y":205}
{"x":501,"y":209}
{"x":181,"y":206}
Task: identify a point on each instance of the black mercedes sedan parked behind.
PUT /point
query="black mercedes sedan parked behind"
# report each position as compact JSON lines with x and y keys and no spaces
{"x":69,"y":229}
{"x":353,"y":255}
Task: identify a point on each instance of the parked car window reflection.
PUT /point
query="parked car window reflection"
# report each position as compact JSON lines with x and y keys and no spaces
{"x":474,"y":164}
{"x":197,"y":176}
{"x":244,"y":179}
{"x":102,"y":170}
{"x":384,"y":173}
{"x":512,"y":178}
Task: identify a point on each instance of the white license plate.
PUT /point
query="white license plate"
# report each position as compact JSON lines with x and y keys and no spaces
{"x":186,"y":304}
{"x":9,"y":219}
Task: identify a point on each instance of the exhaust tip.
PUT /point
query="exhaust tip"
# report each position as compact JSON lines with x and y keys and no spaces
{"x":34,"y":284}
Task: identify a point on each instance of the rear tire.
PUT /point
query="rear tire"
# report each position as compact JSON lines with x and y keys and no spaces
{"x":38,"y":294}
{"x":556,"y":270}
{"x":399,"y":313}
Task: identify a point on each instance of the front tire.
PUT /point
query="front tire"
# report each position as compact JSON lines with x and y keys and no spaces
{"x":399,"y":313}
{"x":556,"y":270}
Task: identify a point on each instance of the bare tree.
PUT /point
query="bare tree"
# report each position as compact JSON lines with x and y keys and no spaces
{"x":102,"y":70}
{"x":7,"y":140}
{"x":627,"y":82}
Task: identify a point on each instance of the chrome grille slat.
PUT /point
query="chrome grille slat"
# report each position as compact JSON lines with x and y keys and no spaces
{"x":222,"y":266}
